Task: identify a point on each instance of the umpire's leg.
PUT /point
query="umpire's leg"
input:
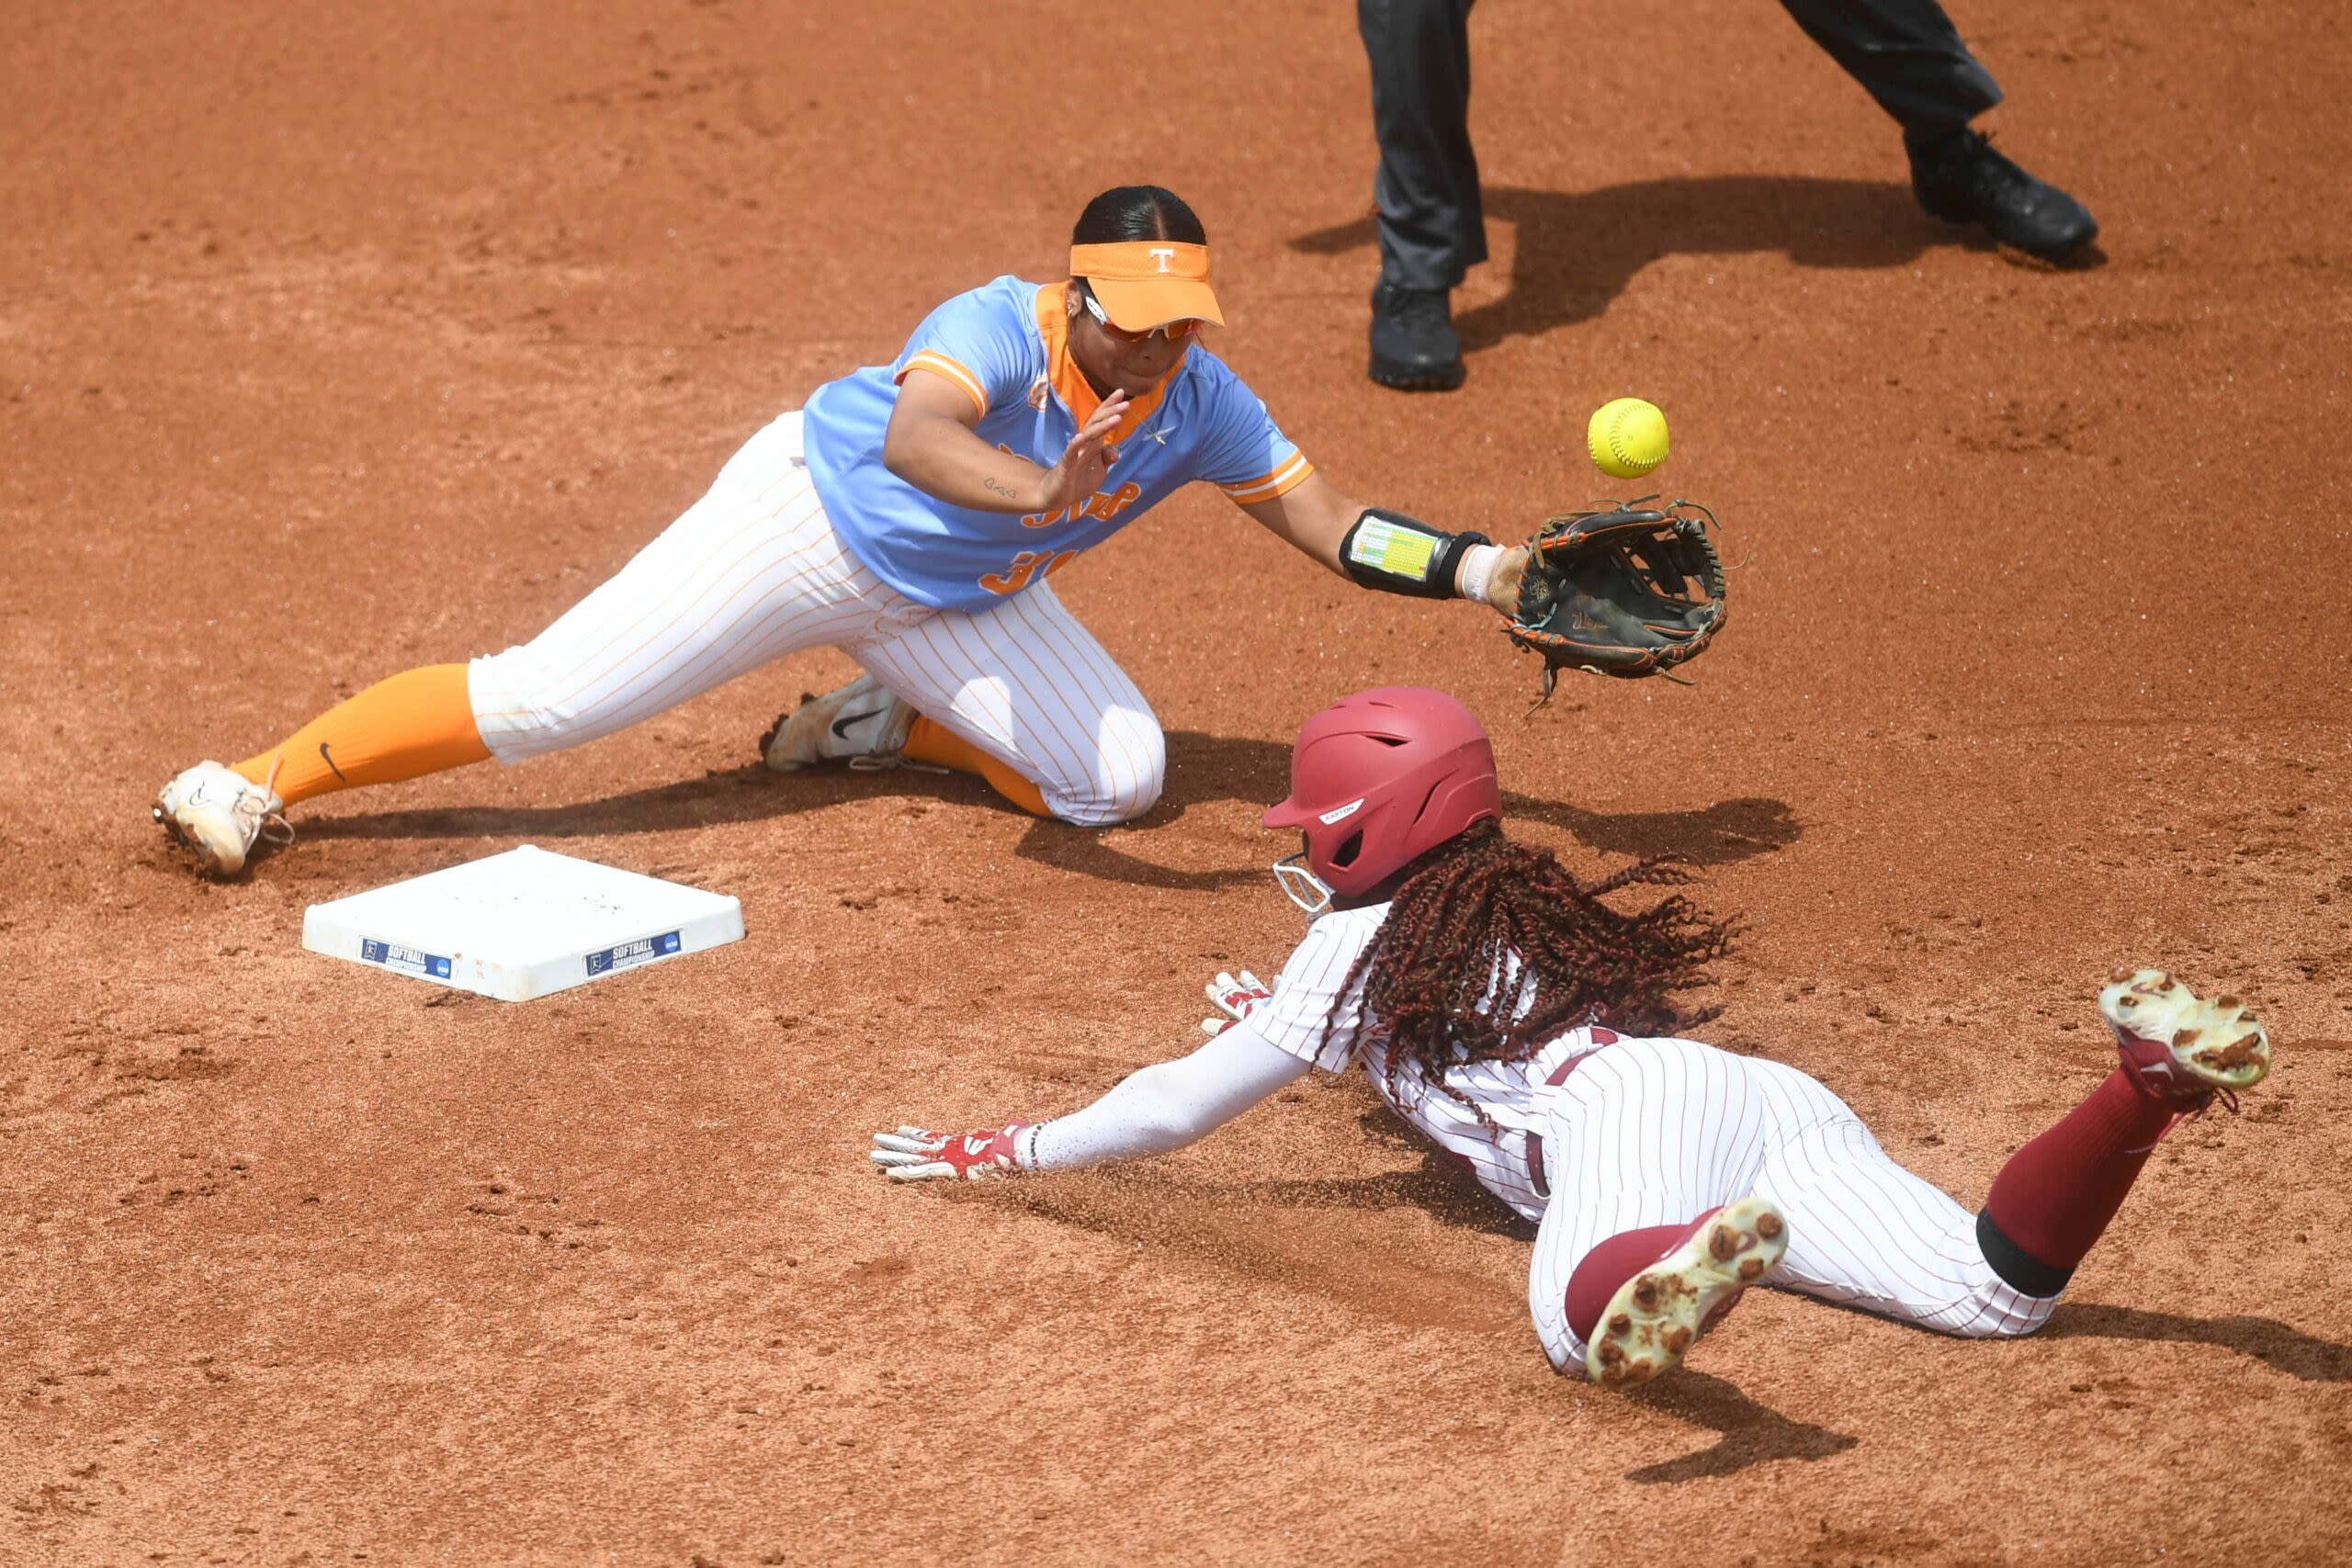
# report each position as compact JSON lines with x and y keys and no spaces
{"x":1909,"y":57}
{"x":1431,"y":226}
{"x":1907,"y":54}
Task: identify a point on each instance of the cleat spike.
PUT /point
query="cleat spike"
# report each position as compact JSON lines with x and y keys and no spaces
{"x":1659,"y":1313}
{"x":2180,"y":1051}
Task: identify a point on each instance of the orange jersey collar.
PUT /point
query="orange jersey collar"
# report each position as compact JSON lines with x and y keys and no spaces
{"x":1070,"y":382}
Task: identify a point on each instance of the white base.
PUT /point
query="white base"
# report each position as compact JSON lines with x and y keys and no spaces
{"x":523,"y":924}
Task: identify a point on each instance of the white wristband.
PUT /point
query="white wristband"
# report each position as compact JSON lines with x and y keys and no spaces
{"x":1476,"y":572}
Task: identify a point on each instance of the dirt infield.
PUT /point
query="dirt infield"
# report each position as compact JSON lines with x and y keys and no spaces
{"x":330,"y":350}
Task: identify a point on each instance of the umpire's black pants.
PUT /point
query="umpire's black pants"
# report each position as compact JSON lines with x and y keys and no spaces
{"x":1431,"y":225}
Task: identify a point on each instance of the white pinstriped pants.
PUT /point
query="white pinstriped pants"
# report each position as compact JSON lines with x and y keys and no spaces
{"x":1659,"y":1132}
{"x":753,"y":571}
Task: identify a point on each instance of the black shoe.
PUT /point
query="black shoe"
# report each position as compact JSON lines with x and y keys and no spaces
{"x":1413,"y":345}
{"x":1961,"y":179}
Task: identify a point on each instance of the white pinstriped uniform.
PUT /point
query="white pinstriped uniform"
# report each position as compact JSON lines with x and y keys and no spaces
{"x":1510,"y":1093}
{"x":753,"y":571}
{"x":1658,"y":1132}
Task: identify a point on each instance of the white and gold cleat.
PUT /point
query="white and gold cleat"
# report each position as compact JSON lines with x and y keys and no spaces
{"x":2179,"y":1049}
{"x":221,"y":815}
{"x":861,"y":723}
{"x":1657,"y":1316}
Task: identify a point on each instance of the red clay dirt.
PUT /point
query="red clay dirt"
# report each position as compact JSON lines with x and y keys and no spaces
{"x":338,"y":345}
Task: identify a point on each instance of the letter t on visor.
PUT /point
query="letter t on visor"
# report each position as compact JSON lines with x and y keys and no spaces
{"x":1144,"y":283}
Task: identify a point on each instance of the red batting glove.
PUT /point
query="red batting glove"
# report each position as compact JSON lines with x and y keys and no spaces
{"x":1235,"y":996}
{"x":912,"y":1154}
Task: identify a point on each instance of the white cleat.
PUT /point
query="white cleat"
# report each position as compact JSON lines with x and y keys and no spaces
{"x":220,"y":813}
{"x":1657,"y":1316}
{"x":862,"y":724}
{"x":2180,"y":1049}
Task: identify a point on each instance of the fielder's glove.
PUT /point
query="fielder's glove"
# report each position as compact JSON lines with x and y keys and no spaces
{"x":1235,"y":996}
{"x":1619,"y":591}
{"x":912,"y":1154}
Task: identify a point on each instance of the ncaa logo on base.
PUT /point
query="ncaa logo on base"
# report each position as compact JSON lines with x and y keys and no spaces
{"x":407,"y":960}
{"x":643,"y":950}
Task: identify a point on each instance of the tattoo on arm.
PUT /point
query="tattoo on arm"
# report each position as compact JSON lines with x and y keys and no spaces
{"x":995,"y":486}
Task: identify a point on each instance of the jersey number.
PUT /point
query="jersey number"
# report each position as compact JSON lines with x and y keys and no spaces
{"x":1026,"y":569}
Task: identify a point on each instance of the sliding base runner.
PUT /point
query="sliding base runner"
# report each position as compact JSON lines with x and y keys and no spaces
{"x":1527,"y":1027}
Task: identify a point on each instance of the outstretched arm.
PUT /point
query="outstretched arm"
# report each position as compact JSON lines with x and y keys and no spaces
{"x":1315,"y":516}
{"x":1159,"y":1108}
{"x":1154,"y":1110}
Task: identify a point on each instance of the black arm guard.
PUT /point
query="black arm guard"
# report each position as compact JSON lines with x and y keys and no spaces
{"x":1398,"y":554}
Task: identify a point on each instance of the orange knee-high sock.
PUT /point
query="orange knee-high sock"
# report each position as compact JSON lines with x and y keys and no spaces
{"x":936,"y":744}
{"x":416,"y":723}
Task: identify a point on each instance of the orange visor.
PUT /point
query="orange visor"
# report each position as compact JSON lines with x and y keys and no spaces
{"x":1142,"y":284}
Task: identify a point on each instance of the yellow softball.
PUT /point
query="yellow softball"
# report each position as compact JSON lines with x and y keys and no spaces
{"x":1627,"y":437}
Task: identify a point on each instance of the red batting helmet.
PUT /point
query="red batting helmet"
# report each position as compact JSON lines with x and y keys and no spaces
{"x":1378,"y":779}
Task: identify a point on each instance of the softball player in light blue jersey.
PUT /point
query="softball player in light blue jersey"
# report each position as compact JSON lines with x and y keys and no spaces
{"x":909,"y":515}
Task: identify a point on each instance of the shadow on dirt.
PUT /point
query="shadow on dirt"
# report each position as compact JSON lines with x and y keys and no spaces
{"x":1438,"y":1188}
{"x":1305,"y":1245}
{"x":1303,"y":1235}
{"x":1205,"y":768}
{"x":1728,"y":830}
{"x":2289,"y":1350}
{"x":1201,"y":769}
{"x":1750,"y":1433}
{"x":1433,"y":1190}
{"x":1576,"y":251}
{"x":746,"y":794}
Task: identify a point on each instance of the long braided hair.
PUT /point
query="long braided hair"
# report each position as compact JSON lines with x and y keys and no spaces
{"x":1480,"y":904}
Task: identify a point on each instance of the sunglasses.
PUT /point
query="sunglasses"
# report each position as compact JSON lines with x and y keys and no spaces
{"x":1174,"y":332}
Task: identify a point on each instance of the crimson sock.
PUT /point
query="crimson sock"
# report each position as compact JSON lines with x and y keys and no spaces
{"x":2056,"y":1194}
{"x":1600,"y":1273}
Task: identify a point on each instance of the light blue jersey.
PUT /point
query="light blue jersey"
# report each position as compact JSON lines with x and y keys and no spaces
{"x":1006,"y":344}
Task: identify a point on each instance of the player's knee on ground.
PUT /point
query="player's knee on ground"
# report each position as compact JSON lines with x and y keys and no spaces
{"x":2007,"y":1328}
{"x":1130,"y":768}
{"x":1992,"y":1311}
{"x":1935,"y":1289}
{"x":2017,"y":1291}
